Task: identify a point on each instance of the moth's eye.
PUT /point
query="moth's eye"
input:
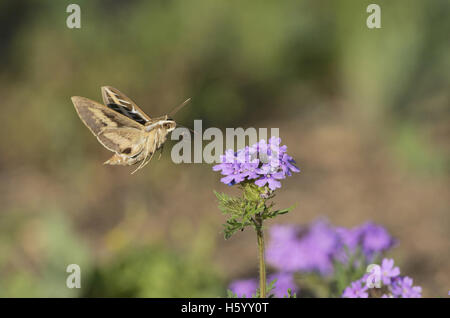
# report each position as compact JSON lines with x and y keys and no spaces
{"x":167,"y":126}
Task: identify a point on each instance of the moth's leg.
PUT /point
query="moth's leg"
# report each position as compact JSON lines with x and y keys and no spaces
{"x":161,"y":151}
{"x":145,"y":157}
{"x":142,"y":163}
{"x":151,"y":156}
{"x":161,"y":146}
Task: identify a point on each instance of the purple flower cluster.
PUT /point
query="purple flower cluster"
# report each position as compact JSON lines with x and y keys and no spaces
{"x":244,"y":288}
{"x":356,"y":289}
{"x":315,"y":248}
{"x":370,"y":237}
{"x":396,"y":286}
{"x":293,"y":248}
{"x":388,"y":271}
{"x":263,"y":162}
{"x":402,"y":287}
{"x":248,"y":287}
{"x":283,"y":282}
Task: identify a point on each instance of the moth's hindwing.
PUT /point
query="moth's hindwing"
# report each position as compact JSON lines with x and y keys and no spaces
{"x":124,"y":141}
{"x":122,"y":104}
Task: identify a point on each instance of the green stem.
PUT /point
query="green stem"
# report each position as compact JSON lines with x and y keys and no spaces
{"x":262,"y":264}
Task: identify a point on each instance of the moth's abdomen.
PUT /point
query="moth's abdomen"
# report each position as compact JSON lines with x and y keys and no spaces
{"x":124,"y":160}
{"x":116,"y":160}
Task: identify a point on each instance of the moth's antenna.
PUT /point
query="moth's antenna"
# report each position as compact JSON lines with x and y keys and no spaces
{"x":173,"y":112}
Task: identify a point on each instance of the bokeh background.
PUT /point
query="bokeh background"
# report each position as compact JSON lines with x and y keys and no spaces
{"x":365,"y":113}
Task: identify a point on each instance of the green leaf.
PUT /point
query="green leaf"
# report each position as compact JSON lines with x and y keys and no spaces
{"x":230,"y":294}
{"x":290,"y":294}
{"x":244,"y":210}
{"x":270,"y":287}
{"x":272,"y":214}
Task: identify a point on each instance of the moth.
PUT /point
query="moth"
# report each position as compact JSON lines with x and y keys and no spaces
{"x":123,"y":128}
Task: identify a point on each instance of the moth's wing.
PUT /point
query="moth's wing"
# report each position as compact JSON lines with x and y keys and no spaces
{"x":128,"y":142}
{"x":98,"y":117}
{"x":120,"y":103}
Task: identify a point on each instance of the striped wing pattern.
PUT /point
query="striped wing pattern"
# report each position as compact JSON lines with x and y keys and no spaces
{"x":120,"y":103}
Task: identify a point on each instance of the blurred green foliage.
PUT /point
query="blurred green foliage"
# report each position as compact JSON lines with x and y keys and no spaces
{"x":154,"y":272}
{"x":35,"y":255}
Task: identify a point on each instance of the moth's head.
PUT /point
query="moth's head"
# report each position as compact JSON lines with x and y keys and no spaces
{"x":168,"y":124}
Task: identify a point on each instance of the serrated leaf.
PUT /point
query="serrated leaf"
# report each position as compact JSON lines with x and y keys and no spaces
{"x":230,"y":294}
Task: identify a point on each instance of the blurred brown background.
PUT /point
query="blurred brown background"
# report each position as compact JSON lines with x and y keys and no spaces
{"x":365,"y":113}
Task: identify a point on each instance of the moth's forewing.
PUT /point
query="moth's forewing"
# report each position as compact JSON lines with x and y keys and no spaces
{"x":114,"y":131}
{"x":97,"y":116}
{"x":120,"y":103}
